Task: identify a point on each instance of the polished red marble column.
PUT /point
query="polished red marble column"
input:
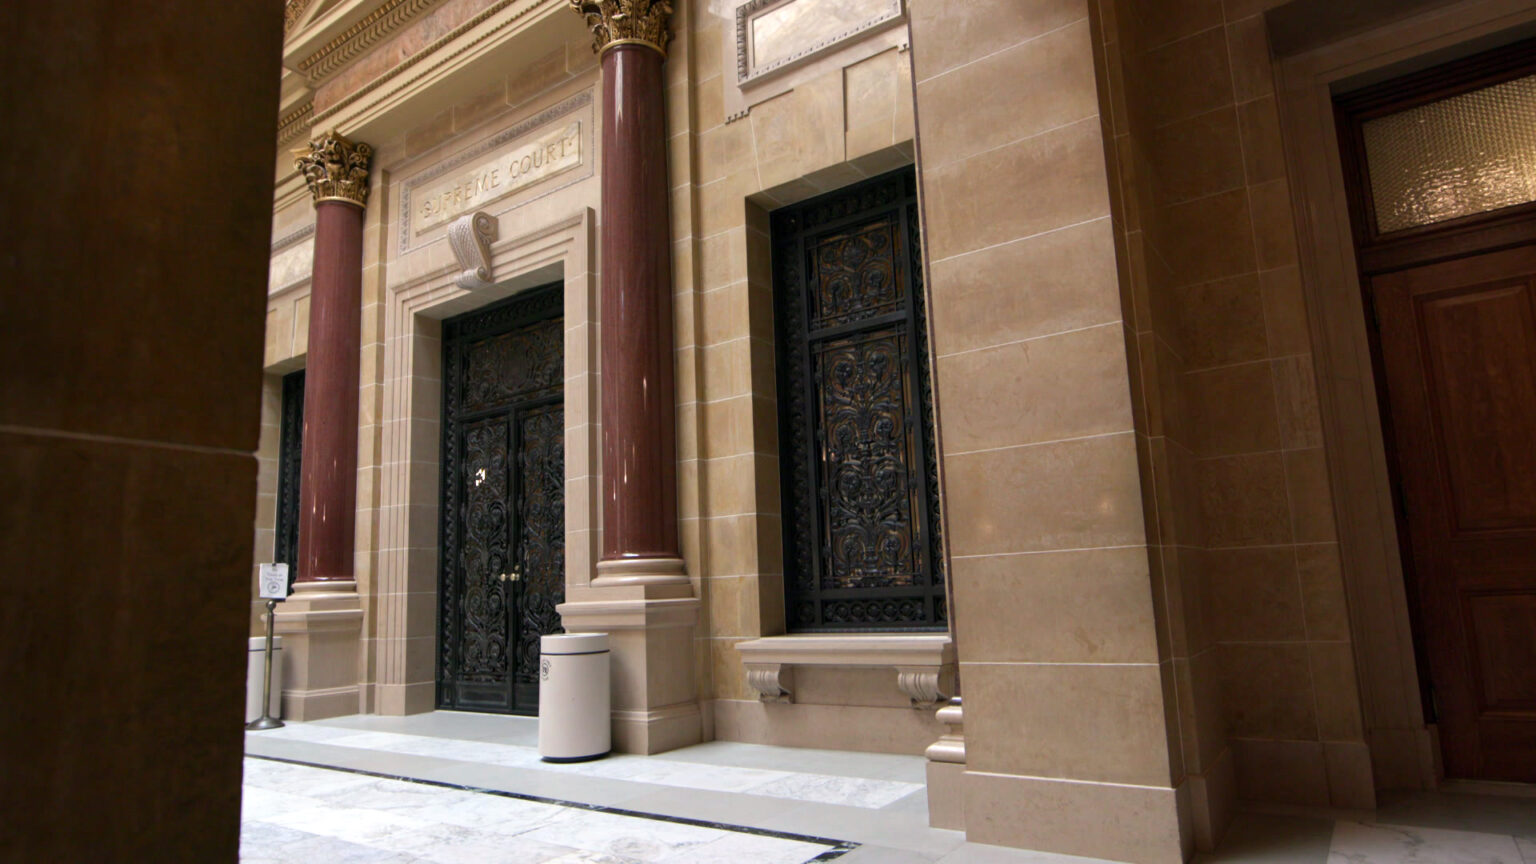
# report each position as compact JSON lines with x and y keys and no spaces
{"x":638,"y":408}
{"x":337,"y":171}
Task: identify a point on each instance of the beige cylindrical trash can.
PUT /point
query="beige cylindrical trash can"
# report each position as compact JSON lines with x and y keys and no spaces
{"x":255,"y":669}
{"x":574,"y":722}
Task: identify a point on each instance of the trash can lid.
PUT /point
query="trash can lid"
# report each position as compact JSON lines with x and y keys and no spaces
{"x":574,"y":643}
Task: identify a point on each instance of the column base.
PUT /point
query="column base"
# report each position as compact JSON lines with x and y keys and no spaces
{"x":622,"y":572}
{"x":321,"y":625}
{"x":401,"y":699}
{"x":658,"y":730}
{"x":650,"y":618}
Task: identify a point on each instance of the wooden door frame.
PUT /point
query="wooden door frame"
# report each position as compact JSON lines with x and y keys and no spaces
{"x":1378,"y":254}
{"x":1404,"y":750}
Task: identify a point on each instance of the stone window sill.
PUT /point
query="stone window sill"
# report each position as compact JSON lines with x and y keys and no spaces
{"x":920,"y":661}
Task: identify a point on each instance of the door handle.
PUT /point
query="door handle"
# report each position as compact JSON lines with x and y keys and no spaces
{"x":514,"y":576}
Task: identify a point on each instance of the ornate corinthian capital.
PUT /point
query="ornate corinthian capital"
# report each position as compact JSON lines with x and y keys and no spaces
{"x":626,"y":22}
{"x":335,"y":168}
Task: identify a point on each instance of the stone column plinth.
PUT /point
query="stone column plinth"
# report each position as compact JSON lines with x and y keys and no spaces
{"x":640,"y":592}
{"x":321,"y":622}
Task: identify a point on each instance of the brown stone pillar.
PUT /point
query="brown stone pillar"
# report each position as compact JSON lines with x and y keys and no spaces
{"x":337,"y":172}
{"x":321,"y":622}
{"x":639,"y":439}
{"x":641,"y":596}
{"x":640,"y":541}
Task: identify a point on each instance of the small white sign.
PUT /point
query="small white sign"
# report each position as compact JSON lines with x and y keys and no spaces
{"x":274,"y":582}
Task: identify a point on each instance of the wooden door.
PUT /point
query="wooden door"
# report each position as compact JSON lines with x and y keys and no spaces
{"x":502,"y":551}
{"x":1458,"y":352}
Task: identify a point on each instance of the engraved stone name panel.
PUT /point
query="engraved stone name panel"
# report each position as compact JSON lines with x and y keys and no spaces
{"x":775,"y":34}
{"x":544,"y":146}
{"x":523,"y":165}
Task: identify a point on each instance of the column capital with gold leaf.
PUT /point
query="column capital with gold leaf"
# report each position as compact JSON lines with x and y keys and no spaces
{"x":336,"y":168}
{"x":626,"y":22}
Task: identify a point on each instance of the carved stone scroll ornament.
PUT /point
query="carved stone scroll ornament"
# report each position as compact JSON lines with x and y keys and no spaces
{"x":471,"y":237}
{"x":335,"y":168}
{"x":772,"y":681}
{"x":626,"y":22}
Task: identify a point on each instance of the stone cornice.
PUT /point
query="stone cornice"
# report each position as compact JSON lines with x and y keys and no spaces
{"x":416,"y":67}
{"x":293,"y":124}
{"x":358,"y":38}
{"x":626,"y":22}
{"x":293,"y":10}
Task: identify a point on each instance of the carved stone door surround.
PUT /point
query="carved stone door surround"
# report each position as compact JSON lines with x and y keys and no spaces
{"x":404,"y":637}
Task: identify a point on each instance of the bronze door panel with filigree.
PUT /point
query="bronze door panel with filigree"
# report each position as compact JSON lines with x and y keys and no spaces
{"x":858,"y":463}
{"x":502,"y":552}
{"x":540,"y":540}
{"x":285,"y":546}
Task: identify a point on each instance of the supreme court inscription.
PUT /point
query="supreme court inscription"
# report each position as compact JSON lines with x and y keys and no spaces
{"x":520,"y":166}
{"x":540,"y":148}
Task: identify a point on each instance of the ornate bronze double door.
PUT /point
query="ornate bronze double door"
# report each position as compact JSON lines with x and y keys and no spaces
{"x":502,"y":564}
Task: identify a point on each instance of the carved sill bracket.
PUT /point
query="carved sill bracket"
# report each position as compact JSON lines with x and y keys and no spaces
{"x":921,"y":684}
{"x":924,"y":664}
{"x":774,"y":682}
{"x":471,"y":238}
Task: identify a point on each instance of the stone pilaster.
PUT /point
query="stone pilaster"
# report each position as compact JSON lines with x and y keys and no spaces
{"x":321,"y":623}
{"x":640,"y":592}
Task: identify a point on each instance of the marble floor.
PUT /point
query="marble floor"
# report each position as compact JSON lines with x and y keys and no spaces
{"x":296,"y":813}
{"x":449,"y":787}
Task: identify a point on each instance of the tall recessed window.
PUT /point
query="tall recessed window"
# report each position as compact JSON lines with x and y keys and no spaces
{"x":860,"y":495}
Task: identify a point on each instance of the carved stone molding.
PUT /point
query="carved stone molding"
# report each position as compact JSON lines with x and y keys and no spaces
{"x":293,"y":237}
{"x":626,"y":22}
{"x":772,"y":681}
{"x":293,"y":124}
{"x":471,"y":237}
{"x":335,"y":168}
{"x":471,"y":35}
{"x":293,"y":10}
{"x":361,"y":36}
